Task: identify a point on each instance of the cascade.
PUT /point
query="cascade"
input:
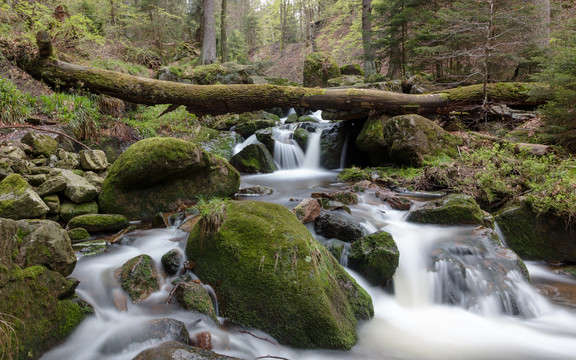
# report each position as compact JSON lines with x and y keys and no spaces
{"x":287,"y":153}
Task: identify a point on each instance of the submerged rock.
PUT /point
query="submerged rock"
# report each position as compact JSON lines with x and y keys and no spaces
{"x":155,"y":173}
{"x":454,"y":209}
{"x":375,"y":257}
{"x":172,"y":260}
{"x":139,"y":277}
{"x":338,"y":225}
{"x":269,"y":273}
{"x":307,"y":210}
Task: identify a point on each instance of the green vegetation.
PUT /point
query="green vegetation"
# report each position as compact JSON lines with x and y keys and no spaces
{"x":212,"y":213}
{"x":147,"y":123}
{"x":16,"y":106}
{"x":8,"y":339}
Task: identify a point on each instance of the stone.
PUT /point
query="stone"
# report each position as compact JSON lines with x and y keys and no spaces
{"x":255,"y":190}
{"x":194,"y":297}
{"x":453,"y":209}
{"x":375,"y":257}
{"x":351,"y":69}
{"x":41,"y":144}
{"x":172,"y":260}
{"x":270,"y":273}
{"x":254,"y":159}
{"x":203,"y":340}
{"x":18,"y":200}
{"x":78,"y":189}
{"x":332,"y":142}
{"x":216,"y":142}
{"x":99,"y":222}
{"x":5,"y":169}
{"x":344,"y":197}
{"x":318,"y":69}
{"x":93,"y":160}
{"x":139,"y":278}
{"x":94,"y":179}
{"x":78,"y":235}
{"x":265,"y":137}
{"x":174,"y":350}
{"x":12,"y":151}
{"x":69,"y":210}
{"x":53,"y":202}
{"x":307,"y":210}
{"x":339,"y":225}
{"x":53,"y":185}
{"x":154,"y":174}
{"x":36,"y":180}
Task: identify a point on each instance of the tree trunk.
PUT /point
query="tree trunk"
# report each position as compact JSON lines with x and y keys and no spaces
{"x":209,"y":35}
{"x":369,"y":67}
{"x":223,"y":32}
{"x":543,"y":22}
{"x":221,"y":99}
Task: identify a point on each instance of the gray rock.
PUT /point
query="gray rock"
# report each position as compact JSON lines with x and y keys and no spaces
{"x":53,"y":202}
{"x":18,"y":200}
{"x":174,"y":350}
{"x":94,"y":160}
{"x":338,"y":225}
{"x":78,"y":189}
{"x":52,"y":186}
{"x":69,"y":210}
{"x":41,"y":144}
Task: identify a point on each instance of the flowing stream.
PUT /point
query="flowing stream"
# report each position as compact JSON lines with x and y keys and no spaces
{"x":479,"y":321}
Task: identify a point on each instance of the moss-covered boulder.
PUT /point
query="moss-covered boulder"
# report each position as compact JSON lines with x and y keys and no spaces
{"x":351,"y":69}
{"x":253,"y":159}
{"x":172,"y":260}
{"x":139,"y":277}
{"x":453,"y":209}
{"x":70,"y":210}
{"x":53,"y":202}
{"x":375,"y":257}
{"x":301,"y":136}
{"x":533,"y":236}
{"x":78,"y":235}
{"x":99,"y":222}
{"x":265,"y":137}
{"x":339,"y":225}
{"x":154,"y":173}
{"x":371,"y":139}
{"x":176,"y":350}
{"x":318,"y":69}
{"x":41,"y":144}
{"x":269,"y":273}
{"x":18,"y":200}
{"x":216,"y":142}
{"x":51,"y":186}
{"x":194,"y":297}
{"x":246,"y":123}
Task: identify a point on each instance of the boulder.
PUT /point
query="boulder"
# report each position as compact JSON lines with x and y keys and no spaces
{"x":544,"y":237}
{"x":307,"y":210}
{"x":18,"y":200}
{"x":172,"y":260}
{"x":332,"y":142}
{"x":172,"y":350}
{"x":12,"y":151}
{"x":344,"y":197}
{"x":99,"y":222}
{"x":53,"y":185}
{"x":94,"y":160}
{"x":70,"y":210}
{"x":301,"y":136}
{"x":216,"y":142}
{"x":351,"y":69}
{"x":78,"y":235}
{"x":265,"y":137}
{"x":154,"y":173}
{"x":453,"y":209}
{"x":139,"y":277}
{"x":318,"y":69}
{"x":194,"y":297}
{"x":5,"y":169}
{"x":253,"y":159}
{"x":269,"y":273}
{"x":41,"y":144}
{"x":36,"y":180}
{"x":375,"y":257}
{"x":257,"y":190}
{"x":78,"y":189}
{"x":339,"y":225}
{"x":53,"y":202}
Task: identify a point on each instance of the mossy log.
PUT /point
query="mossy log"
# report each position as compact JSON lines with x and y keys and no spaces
{"x":222,"y":99}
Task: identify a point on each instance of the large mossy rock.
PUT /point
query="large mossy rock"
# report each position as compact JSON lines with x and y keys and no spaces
{"x":139,"y":277}
{"x":194,"y":297}
{"x":216,"y":142}
{"x":41,"y":144}
{"x":253,"y":159}
{"x":453,"y":209}
{"x":533,"y":236}
{"x":375,"y":257}
{"x":18,"y":200}
{"x":36,"y":302}
{"x":269,"y":273}
{"x":154,"y":173}
{"x":318,"y":69}
{"x":99,"y":222}
{"x":404,"y":140}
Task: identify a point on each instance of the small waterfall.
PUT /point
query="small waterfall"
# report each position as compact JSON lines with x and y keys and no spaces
{"x":312,"y":158}
{"x":344,"y":255}
{"x":287,"y":153}
{"x":212,"y":294}
{"x":249,"y":141}
{"x":288,"y":113}
{"x":344,"y":151}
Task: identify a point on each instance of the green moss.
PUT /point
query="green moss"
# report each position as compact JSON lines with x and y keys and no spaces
{"x":99,"y":222}
{"x":78,"y":234}
{"x":376,"y":257}
{"x":452,"y":210}
{"x":139,"y":277}
{"x":33,"y":271}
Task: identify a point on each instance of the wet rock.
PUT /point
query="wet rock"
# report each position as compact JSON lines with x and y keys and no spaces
{"x":307,"y":210}
{"x":70,"y":210}
{"x":309,"y":300}
{"x":533,"y":236}
{"x":174,"y":350}
{"x":203,"y":340}
{"x":265,"y":137}
{"x":172,"y":260}
{"x":18,"y":200}
{"x":78,"y":189}
{"x":255,"y":190}
{"x":338,"y":225}
{"x":344,"y":197}
{"x":120,"y":300}
{"x":157,"y":329}
{"x":395,"y":202}
{"x":155,"y":173}
{"x":332,"y":142}
{"x":254,"y":159}
{"x":93,"y":160}
{"x":216,"y":142}
{"x":375,"y":257}
{"x":51,"y":186}
{"x":78,"y":235}
{"x":99,"y":222}
{"x":452,"y":210}
{"x":301,"y":136}
{"x":41,"y":144}
{"x":90,"y":247}
{"x":194,"y":297}
{"x":53,"y":202}
{"x":139,"y":278}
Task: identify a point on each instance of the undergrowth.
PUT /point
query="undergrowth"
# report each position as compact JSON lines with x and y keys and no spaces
{"x":8,"y":341}
{"x":212,"y":212}
{"x":147,"y":123}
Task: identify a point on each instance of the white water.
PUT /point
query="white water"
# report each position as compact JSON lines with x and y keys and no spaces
{"x":249,"y":141}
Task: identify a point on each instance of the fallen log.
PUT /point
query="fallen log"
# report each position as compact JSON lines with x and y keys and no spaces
{"x":221,"y":99}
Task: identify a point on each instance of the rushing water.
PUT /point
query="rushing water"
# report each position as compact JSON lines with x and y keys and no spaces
{"x":416,"y":323}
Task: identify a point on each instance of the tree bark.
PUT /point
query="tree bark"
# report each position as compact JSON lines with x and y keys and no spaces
{"x":369,"y":67}
{"x":223,"y":32}
{"x":209,"y":35}
{"x":221,"y":99}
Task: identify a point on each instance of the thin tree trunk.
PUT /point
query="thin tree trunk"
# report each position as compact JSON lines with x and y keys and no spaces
{"x":369,"y":67}
{"x":209,"y":34}
{"x":224,"y":32}
{"x":488,"y":51}
{"x":543,"y":22}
